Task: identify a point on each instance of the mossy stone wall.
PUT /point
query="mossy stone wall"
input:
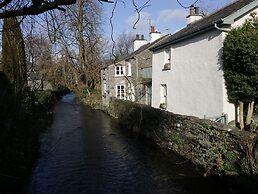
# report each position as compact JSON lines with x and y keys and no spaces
{"x":207,"y":144}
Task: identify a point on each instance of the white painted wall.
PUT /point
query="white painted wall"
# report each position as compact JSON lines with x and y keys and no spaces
{"x":154,"y":36}
{"x":138,"y":43}
{"x":193,"y":18}
{"x":195,"y":82}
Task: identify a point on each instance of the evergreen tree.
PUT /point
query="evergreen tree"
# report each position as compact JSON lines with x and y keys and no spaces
{"x":13,"y":56}
{"x":240,"y":57}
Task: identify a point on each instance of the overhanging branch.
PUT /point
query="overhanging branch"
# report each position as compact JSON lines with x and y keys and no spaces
{"x":35,"y":9}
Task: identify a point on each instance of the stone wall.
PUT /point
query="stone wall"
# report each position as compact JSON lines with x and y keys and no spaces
{"x":205,"y":143}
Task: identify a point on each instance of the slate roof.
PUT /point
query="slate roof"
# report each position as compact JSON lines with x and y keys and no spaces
{"x":205,"y":22}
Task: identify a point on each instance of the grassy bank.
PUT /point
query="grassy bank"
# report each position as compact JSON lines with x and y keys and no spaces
{"x":19,"y":140}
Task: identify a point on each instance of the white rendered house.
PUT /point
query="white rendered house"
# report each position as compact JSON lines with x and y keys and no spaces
{"x":187,"y":75}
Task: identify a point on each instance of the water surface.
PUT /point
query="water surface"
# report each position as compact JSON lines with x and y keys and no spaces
{"x":86,"y":152}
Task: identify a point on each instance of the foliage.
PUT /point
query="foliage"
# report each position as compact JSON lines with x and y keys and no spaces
{"x":240,"y":57}
{"x":229,"y":158}
{"x":85,"y":92}
{"x":45,"y":99}
{"x":175,"y":138}
{"x":13,"y":55}
{"x":245,"y":166}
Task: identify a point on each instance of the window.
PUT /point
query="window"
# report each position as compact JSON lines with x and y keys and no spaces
{"x":148,"y":96}
{"x":119,"y":70}
{"x":167,"y":55}
{"x":104,"y":89}
{"x":163,"y":96}
{"x":120,"y":91}
{"x":167,"y":59}
{"x":129,"y":70}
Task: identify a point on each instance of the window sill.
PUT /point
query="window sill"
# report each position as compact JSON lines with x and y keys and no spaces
{"x":163,"y":106}
{"x":167,"y":66}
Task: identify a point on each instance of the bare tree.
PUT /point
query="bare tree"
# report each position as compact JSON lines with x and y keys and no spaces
{"x":124,"y":44}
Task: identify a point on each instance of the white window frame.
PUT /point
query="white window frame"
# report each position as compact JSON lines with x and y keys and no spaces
{"x":120,"y":92}
{"x":163,"y":94}
{"x":129,"y":71}
{"x":167,"y":57}
{"x":105,"y":86}
{"x":119,"y":70}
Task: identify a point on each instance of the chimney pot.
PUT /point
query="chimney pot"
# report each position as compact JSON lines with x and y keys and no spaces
{"x":142,"y":37}
{"x":152,"y":29}
{"x":137,"y":36}
{"x":192,"y":10}
{"x":194,"y":15}
{"x":197,"y":10}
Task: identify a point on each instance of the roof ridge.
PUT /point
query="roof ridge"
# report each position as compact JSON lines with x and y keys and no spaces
{"x":206,"y":21}
{"x":225,"y":6}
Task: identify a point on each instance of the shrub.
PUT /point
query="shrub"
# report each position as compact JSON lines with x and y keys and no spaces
{"x":45,"y":99}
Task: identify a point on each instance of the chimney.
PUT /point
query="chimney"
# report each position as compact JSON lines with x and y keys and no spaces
{"x":192,"y":10}
{"x":138,"y":42}
{"x":152,"y":29}
{"x":194,"y":15}
{"x":154,"y":35}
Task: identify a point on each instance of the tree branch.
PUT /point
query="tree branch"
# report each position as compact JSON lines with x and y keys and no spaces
{"x":36,"y":7}
{"x":6,"y":2}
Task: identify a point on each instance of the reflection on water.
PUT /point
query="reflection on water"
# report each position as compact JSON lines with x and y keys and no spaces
{"x":85,"y":152}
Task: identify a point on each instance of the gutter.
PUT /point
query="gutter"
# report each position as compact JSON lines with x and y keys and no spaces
{"x":221,"y":29}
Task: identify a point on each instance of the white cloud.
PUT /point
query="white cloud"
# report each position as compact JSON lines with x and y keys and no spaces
{"x":142,"y":25}
{"x":169,"y":15}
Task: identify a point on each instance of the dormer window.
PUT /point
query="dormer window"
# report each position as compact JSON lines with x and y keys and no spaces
{"x":119,"y":70}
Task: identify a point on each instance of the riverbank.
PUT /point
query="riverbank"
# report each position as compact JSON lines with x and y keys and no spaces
{"x":19,"y":149}
{"x":211,"y":146}
{"x":19,"y":141}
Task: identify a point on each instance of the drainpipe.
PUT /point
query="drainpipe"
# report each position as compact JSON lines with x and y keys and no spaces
{"x":221,"y":29}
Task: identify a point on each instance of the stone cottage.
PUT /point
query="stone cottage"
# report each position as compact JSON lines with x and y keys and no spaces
{"x":130,"y":77}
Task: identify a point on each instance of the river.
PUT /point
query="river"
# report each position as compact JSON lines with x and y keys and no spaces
{"x":86,"y":152}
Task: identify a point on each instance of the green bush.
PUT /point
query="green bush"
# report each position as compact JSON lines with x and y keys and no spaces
{"x":45,"y":99}
{"x":84,"y":92}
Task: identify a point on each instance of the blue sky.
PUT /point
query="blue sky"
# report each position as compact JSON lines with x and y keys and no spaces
{"x":166,"y":15}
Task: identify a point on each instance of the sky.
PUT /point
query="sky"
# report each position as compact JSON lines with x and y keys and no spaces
{"x":166,"y":15}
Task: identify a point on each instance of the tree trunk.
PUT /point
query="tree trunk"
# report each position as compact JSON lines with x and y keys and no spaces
{"x":81,"y":41}
{"x":236,"y":114}
{"x":80,"y":34}
{"x":241,"y":115}
{"x":249,"y":113}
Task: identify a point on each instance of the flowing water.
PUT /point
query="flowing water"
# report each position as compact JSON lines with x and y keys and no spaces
{"x":86,"y":152}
